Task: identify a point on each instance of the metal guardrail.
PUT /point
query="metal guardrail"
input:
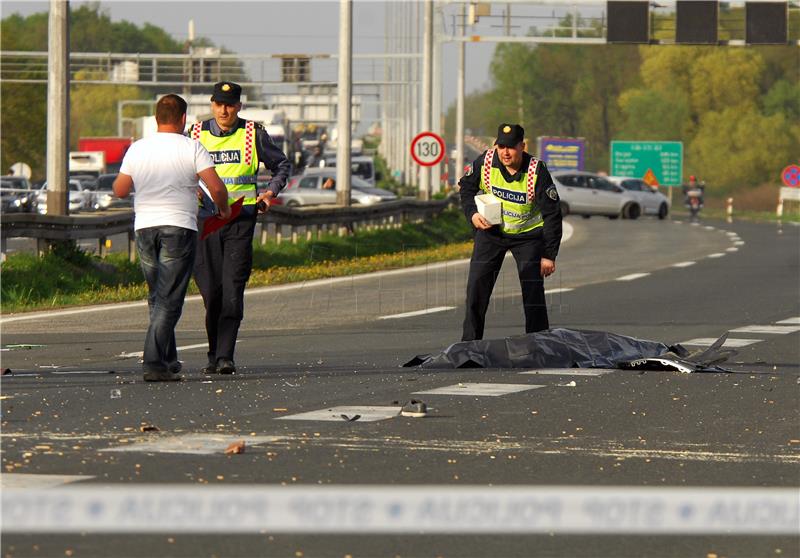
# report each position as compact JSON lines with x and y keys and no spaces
{"x":313,"y":221}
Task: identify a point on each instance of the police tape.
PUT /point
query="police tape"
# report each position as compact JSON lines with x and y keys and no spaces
{"x":402,"y":509}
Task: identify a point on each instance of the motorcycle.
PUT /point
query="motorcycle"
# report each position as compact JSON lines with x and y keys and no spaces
{"x":694,"y":202}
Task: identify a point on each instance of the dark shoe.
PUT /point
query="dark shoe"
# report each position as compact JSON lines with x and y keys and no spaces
{"x":210,"y":368}
{"x":414,"y":409}
{"x":225,"y":366}
{"x":161,"y":376}
{"x":175,"y":367}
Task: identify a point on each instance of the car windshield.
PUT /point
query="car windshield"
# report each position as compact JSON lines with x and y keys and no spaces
{"x":362,"y":169}
{"x":18,"y":184}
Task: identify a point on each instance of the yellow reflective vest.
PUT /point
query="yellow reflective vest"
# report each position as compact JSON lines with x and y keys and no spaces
{"x":235,"y":159}
{"x":519,"y":209}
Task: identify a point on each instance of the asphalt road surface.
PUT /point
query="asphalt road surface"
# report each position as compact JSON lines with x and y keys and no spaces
{"x":607,"y":463}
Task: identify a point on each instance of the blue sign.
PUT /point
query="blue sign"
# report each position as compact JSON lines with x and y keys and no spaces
{"x":562,"y":154}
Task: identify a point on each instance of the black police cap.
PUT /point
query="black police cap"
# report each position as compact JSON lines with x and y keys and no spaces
{"x":227,"y":92}
{"x":509,"y":135}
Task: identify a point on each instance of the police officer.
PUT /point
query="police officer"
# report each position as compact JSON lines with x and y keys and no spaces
{"x":224,"y":259}
{"x":530,"y":228}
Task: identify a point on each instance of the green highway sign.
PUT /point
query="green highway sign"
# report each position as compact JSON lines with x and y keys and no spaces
{"x":655,"y":162}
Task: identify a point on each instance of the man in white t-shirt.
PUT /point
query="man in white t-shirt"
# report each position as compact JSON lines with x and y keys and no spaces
{"x":163,"y":169}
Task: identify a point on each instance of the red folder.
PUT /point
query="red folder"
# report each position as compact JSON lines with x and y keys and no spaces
{"x":215,"y":222}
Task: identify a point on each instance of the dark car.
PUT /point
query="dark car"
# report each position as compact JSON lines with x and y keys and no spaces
{"x":16,"y":195}
{"x":104,"y":197}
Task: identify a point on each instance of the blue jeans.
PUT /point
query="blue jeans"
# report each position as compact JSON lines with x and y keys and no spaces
{"x":166,"y":255}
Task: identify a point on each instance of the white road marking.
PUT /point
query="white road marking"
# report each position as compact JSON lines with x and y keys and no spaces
{"x":556,"y":291}
{"x":570,"y":371}
{"x":777,"y":329}
{"x":479,"y":389}
{"x":739,"y":243}
{"x":140,"y":354}
{"x":233,"y":509}
{"x":716,"y":255}
{"x":683,"y":264}
{"x":417,"y":312}
{"x":81,"y":372}
{"x":334,"y":414}
{"x":709,"y":228}
{"x":732,"y":249}
{"x":790,"y":321}
{"x":195,"y":444}
{"x":29,"y":481}
{"x":632,"y":276}
{"x":730,"y":342}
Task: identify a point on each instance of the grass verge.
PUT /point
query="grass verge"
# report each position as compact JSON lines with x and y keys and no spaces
{"x":69,"y":277}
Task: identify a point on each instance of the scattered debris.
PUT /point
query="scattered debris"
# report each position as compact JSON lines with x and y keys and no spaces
{"x":235,"y":448}
{"x":279,"y":410}
{"x":149,"y":428}
{"x":569,"y":384}
{"x":5,"y":372}
{"x":116,"y":394}
{"x":414,"y":409}
{"x":350,"y":419}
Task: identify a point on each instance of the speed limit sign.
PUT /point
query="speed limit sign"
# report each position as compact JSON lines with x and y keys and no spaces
{"x":427,"y":149}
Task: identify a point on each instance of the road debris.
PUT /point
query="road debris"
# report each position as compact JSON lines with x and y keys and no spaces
{"x":235,"y":448}
{"x":149,"y":428}
{"x":350,"y":419}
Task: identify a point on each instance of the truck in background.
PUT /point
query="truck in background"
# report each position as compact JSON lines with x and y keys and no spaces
{"x":114,"y":149}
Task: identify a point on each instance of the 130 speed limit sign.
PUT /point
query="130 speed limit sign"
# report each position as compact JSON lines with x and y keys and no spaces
{"x":427,"y":149}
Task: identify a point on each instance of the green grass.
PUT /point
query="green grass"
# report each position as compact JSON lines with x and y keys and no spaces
{"x":67,"y":276}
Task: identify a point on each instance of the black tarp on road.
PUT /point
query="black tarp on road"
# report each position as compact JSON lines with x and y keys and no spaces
{"x":570,"y":348}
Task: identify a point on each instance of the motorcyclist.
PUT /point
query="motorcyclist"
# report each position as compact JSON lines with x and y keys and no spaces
{"x":693,"y":193}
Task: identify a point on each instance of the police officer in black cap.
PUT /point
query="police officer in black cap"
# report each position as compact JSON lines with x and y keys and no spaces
{"x":225,"y":258}
{"x":530,"y":228}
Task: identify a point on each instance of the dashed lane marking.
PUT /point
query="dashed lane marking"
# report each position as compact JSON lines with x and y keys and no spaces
{"x":417,"y":312}
{"x":26,"y":480}
{"x":335,"y":414}
{"x":739,"y":243}
{"x":557,"y":291}
{"x":196,"y":444}
{"x":732,"y":249}
{"x":683,"y":264}
{"x":140,"y":354}
{"x":479,"y":389}
{"x":730,"y":342}
{"x":791,"y":321}
{"x":776,"y":329}
{"x":570,"y":371}
{"x":716,"y":255}
{"x":632,"y":276}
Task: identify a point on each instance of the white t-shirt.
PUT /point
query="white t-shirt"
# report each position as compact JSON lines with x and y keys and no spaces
{"x":164,"y":169}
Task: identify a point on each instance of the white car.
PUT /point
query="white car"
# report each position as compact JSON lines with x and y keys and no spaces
{"x":651,"y":202}
{"x":308,"y":189}
{"x":79,"y":197}
{"x":587,"y":194}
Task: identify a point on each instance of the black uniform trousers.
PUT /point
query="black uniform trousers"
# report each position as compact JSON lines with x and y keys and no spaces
{"x":487,"y":257}
{"x":222,"y":267}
